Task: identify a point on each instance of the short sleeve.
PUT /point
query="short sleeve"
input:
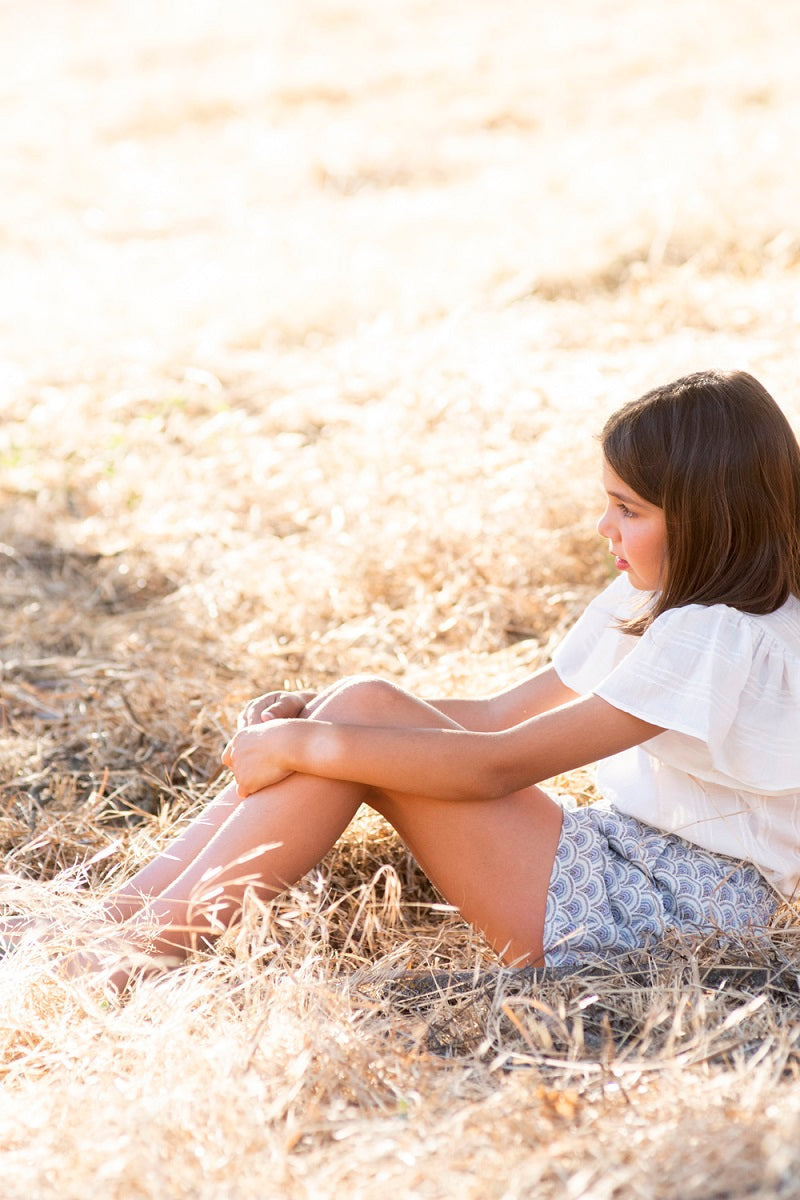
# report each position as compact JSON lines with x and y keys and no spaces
{"x":718,"y":676}
{"x":595,"y":644}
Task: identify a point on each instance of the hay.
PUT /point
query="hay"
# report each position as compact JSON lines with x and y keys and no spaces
{"x":311,"y":314}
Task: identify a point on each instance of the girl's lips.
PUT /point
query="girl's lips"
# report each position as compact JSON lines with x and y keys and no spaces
{"x":621,"y":564}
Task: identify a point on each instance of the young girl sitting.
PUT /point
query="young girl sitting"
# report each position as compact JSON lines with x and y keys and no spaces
{"x":683,"y":676}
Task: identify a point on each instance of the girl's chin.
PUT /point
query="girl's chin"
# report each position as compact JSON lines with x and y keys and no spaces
{"x":640,"y":585}
{"x":634,"y":579}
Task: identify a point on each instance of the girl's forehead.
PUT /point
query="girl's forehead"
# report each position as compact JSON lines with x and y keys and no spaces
{"x":612,"y":481}
{"x":615,"y":486}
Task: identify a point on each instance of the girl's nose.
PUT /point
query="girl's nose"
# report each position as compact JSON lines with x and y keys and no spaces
{"x":603,"y":526}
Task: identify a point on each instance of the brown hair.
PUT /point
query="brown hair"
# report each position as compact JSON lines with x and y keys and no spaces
{"x":717,"y":454}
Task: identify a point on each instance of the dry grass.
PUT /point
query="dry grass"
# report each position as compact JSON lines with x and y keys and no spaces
{"x":309,"y":314}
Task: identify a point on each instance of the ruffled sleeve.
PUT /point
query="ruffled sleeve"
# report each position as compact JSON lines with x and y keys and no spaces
{"x":595,"y":644}
{"x":723,"y":678}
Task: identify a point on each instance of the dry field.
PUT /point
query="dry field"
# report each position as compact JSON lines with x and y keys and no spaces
{"x":308,"y":315}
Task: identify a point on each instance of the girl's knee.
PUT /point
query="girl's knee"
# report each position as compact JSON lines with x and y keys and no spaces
{"x":362,"y":700}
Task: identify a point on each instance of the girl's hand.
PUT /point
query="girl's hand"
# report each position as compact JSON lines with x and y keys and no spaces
{"x":273,"y":706}
{"x":249,"y":754}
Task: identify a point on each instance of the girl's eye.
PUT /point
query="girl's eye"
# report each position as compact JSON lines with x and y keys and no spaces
{"x":626,"y":512}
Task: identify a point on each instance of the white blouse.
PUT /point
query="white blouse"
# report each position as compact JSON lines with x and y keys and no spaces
{"x":725,"y":686}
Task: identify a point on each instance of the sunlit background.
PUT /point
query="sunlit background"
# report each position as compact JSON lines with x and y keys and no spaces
{"x":309,"y":314}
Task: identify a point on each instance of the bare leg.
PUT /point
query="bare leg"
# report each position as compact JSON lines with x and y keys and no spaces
{"x":171,"y":862}
{"x":491,"y":859}
{"x":165,"y":868}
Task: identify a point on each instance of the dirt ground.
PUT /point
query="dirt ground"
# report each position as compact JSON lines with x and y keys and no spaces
{"x":309,"y":316}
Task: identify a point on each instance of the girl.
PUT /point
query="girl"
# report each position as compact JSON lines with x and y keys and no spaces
{"x":683,"y":676}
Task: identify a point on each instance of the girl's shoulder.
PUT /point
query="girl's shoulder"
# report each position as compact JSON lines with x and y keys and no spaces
{"x":730,"y":680}
{"x":717,"y":626}
{"x":596,"y":644}
{"x":709,"y":649}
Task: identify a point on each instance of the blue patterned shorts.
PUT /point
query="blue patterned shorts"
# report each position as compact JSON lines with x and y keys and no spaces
{"x":620,"y":885}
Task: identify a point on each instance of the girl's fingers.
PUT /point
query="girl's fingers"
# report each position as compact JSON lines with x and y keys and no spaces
{"x":273,"y":705}
{"x":253,"y":711}
{"x":228,"y":753}
{"x":286,"y":706}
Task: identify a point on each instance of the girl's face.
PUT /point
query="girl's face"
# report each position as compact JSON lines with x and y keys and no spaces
{"x":636,"y":532}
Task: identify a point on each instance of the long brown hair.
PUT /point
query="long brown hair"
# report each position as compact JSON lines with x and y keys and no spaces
{"x":714,"y":451}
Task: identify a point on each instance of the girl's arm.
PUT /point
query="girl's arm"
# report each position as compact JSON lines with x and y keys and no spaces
{"x":452,"y":764}
{"x":537,"y":694}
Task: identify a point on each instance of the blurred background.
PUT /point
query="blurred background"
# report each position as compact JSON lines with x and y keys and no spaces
{"x":310,"y":314}
{"x":184,"y":182}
